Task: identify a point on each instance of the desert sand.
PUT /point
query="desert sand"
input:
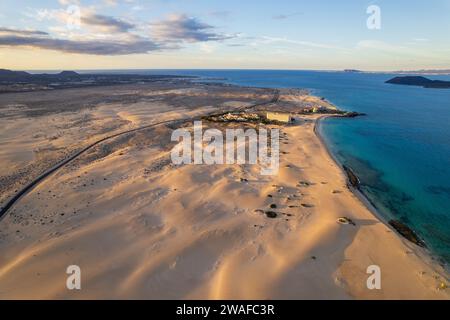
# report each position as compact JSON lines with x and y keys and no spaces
{"x":140,"y":227}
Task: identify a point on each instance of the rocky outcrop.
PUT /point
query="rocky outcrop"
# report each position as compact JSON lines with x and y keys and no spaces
{"x":407,"y":232}
{"x":352,"y":178}
{"x":352,"y":114}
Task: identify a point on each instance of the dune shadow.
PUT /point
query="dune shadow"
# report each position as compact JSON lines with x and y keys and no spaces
{"x":366,"y":222}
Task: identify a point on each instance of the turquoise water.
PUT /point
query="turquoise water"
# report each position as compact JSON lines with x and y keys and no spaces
{"x":400,"y":150}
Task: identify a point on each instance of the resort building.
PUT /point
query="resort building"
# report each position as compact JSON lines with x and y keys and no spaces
{"x":279,"y":116}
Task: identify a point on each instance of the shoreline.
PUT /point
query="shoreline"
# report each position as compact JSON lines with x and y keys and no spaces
{"x":142,"y":228}
{"x":424,"y":253}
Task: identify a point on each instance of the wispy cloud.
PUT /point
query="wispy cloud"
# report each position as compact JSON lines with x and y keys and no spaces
{"x":270,"y":40}
{"x":20,"y":38}
{"x":18,"y":32}
{"x":106,"y":23}
{"x":107,"y":35}
{"x":380,"y":46}
{"x":180,"y":27}
{"x":68,"y":2}
{"x":401,"y":50}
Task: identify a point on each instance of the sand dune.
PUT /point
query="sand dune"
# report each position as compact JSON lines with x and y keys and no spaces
{"x":140,"y":227}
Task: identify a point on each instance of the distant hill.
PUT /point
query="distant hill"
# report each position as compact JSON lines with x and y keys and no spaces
{"x":353,"y":71}
{"x":21,"y":81}
{"x":9,"y":72}
{"x":8,"y":75}
{"x":420,"y":81}
{"x":13,"y":75}
{"x":68,"y":74}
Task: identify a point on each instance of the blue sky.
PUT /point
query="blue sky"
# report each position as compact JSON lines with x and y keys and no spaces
{"x":280,"y":34}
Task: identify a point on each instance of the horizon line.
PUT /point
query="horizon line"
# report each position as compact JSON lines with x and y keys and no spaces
{"x":349,"y":70}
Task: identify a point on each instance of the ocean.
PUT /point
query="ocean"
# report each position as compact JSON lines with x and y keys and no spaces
{"x":400,"y":150}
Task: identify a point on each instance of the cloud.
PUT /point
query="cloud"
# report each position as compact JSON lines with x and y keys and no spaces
{"x":380,"y":46}
{"x":20,"y":38}
{"x":68,"y":2}
{"x":106,"y":23}
{"x":207,"y":48}
{"x":87,"y":17}
{"x":286,"y":16}
{"x":270,"y":40}
{"x":106,"y":35}
{"x":46,"y":14}
{"x":18,"y":32}
{"x":180,"y":27}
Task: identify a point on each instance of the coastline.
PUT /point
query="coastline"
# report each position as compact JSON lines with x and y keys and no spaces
{"x":358,"y":193}
{"x":424,"y":253}
{"x":142,"y":228}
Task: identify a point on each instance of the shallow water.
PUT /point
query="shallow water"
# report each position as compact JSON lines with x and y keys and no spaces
{"x":400,"y":150}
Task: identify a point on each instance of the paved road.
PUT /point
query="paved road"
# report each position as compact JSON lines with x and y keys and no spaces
{"x":61,"y":164}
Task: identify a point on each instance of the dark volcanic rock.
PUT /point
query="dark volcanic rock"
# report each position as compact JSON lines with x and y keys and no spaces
{"x":407,"y":232}
{"x":353,"y":114}
{"x":271,"y":214}
{"x":352,"y":178}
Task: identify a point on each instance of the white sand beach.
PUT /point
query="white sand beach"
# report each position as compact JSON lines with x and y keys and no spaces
{"x":140,"y":227}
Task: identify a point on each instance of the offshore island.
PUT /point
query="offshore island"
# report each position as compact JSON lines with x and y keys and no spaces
{"x":420,"y":82}
{"x":91,"y":154}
